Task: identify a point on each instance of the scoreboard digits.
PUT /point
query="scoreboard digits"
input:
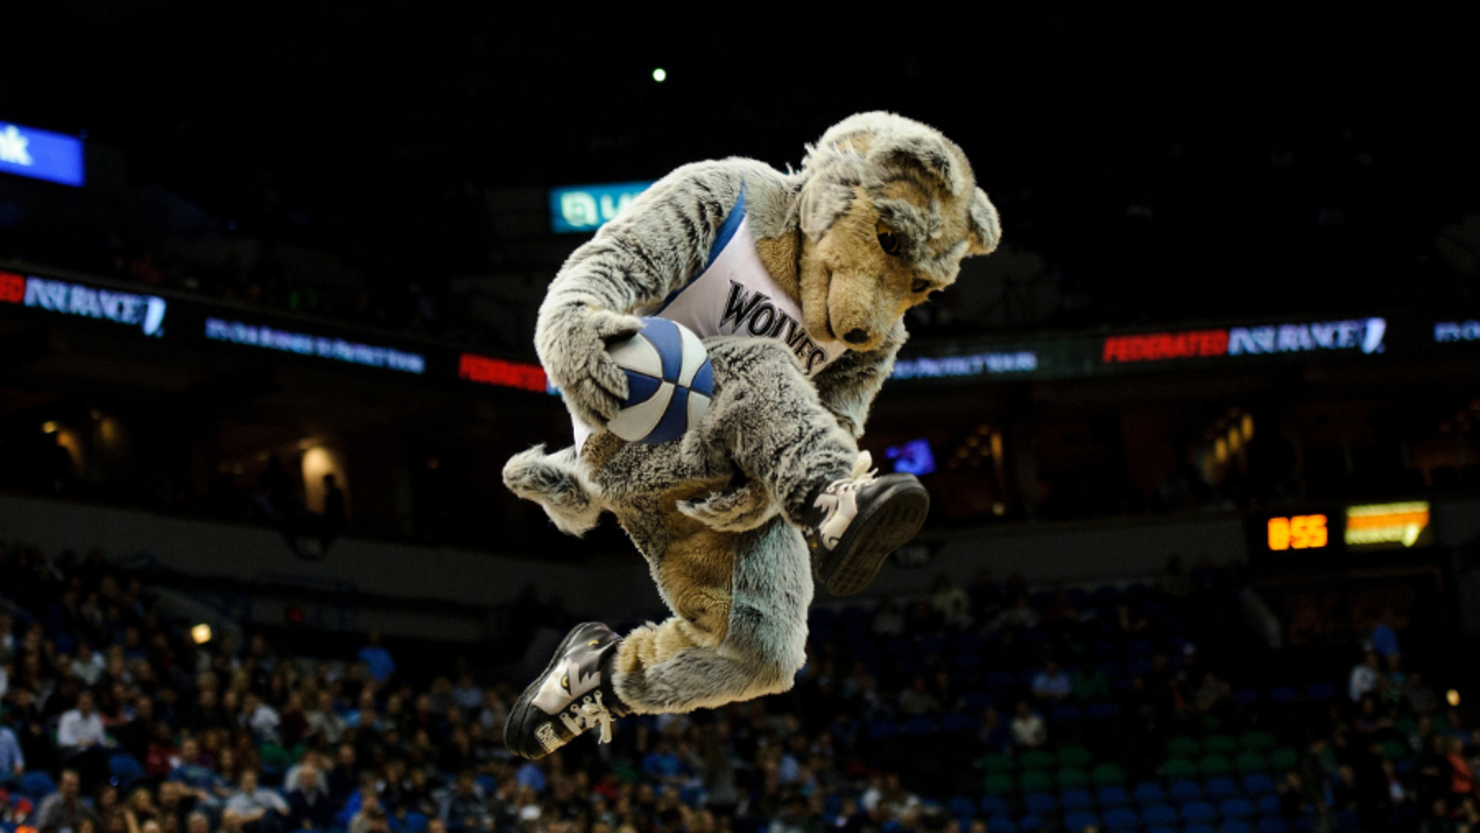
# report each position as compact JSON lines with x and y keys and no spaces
{"x":1298,"y":532}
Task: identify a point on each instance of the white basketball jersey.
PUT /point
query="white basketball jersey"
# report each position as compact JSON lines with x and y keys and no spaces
{"x":734,"y":295}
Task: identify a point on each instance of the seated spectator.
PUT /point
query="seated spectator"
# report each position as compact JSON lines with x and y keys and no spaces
{"x":1384,"y":639}
{"x":203,"y":781}
{"x":1051,"y":684}
{"x":917,"y":699}
{"x":253,"y":809}
{"x":464,"y":807}
{"x":1364,"y":676}
{"x":12,"y":762}
{"x":377,"y":659}
{"x":950,"y":602}
{"x":1028,"y":729}
{"x":81,"y":728}
{"x":64,"y":809}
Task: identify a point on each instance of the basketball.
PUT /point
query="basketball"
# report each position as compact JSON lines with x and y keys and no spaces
{"x":669,"y":382}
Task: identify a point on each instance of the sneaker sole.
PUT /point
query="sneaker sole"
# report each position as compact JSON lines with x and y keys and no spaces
{"x":520,"y":717}
{"x":860,"y":554}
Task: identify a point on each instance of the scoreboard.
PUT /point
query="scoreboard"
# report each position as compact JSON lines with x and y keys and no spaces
{"x":1337,"y":529}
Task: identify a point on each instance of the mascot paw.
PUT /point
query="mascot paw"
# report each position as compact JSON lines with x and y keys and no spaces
{"x":734,"y":510}
{"x":573,"y":347}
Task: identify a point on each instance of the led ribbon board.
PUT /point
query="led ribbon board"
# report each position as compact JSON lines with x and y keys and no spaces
{"x":1388,"y":526}
{"x":41,"y":154}
{"x":66,"y":298}
{"x":490,"y":371}
{"x":587,"y":207}
{"x":323,"y":347}
{"x":1362,"y":334}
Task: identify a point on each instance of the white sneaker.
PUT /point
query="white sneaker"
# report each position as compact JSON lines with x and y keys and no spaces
{"x":573,"y":695}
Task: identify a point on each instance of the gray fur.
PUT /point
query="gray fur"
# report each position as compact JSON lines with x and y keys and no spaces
{"x":985,"y":223}
{"x":558,"y":482}
{"x":765,"y":644}
{"x":734,"y":510}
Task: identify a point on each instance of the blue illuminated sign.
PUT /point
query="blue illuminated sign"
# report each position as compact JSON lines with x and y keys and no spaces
{"x":981,"y":364}
{"x":40,"y":154}
{"x":258,"y":335}
{"x":586,"y":207}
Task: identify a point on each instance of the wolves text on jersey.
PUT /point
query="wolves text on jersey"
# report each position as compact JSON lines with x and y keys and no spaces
{"x":757,"y":315}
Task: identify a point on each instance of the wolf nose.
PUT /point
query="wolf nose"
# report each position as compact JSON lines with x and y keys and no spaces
{"x":857,"y":335}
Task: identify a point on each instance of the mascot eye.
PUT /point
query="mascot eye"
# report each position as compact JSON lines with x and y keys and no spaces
{"x":889,"y":242}
{"x":919,"y":286}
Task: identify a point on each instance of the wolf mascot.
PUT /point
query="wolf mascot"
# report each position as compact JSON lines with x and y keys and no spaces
{"x":798,"y":284}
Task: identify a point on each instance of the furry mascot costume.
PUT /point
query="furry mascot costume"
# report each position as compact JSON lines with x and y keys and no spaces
{"x":798,"y":283}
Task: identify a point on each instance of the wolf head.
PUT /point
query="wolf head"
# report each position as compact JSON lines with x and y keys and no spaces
{"x":888,"y":210}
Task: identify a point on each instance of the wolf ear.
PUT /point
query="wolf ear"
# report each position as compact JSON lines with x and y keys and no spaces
{"x":986,"y":229}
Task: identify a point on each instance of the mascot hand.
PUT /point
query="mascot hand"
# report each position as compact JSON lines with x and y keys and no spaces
{"x":573,"y":347}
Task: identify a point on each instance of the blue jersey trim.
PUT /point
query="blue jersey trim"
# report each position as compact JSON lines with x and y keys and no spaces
{"x":727,"y":231}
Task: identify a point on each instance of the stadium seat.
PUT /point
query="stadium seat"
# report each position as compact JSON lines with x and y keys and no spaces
{"x":1112,"y":797}
{"x":1037,"y":759}
{"x":1269,"y":805}
{"x":1122,"y":818}
{"x":1258,"y":784}
{"x":1235,"y":826}
{"x":1199,"y":828}
{"x":999,"y":824}
{"x":993,"y":805}
{"x":960,"y":806}
{"x":1106,"y":775}
{"x":1199,"y":812}
{"x":125,"y":770}
{"x":37,"y":785}
{"x":1236,"y":808}
{"x":1031,"y":823}
{"x":1185,"y":791}
{"x":1182,"y":746}
{"x":1222,"y":787}
{"x":1036,"y":781}
{"x":1256,"y":741}
{"x":1074,"y":756}
{"x":1076,"y":801}
{"x":1220,"y":745}
{"x":1283,"y":759}
{"x":1163,"y":830}
{"x":1320,"y":692}
{"x":1273,"y":825}
{"x":1214,"y":765}
{"x":999,"y":785}
{"x":1250,"y":762}
{"x":1071,"y":778}
{"x":1149,"y":794}
{"x":1078,"y":821}
{"x":1160,"y":815}
{"x":1180,"y":769}
{"x":1040,"y":804}
{"x":415,"y":823}
{"x":998,"y":764}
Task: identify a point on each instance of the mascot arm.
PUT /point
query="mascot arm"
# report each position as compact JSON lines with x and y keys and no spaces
{"x":848,"y":386}
{"x":652,"y":248}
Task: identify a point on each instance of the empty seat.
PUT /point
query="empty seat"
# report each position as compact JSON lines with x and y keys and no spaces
{"x":1236,"y":808}
{"x":1186,"y":790}
{"x":1160,"y":815}
{"x":1149,"y":794}
{"x":993,"y":805}
{"x":1072,"y":778}
{"x":1075,"y":822}
{"x":1222,"y":787}
{"x":1111,"y":797}
{"x":1122,"y":818}
{"x":1215,"y":765}
{"x":1256,"y":741}
{"x":1106,"y":775}
{"x":1076,"y":801}
{"x":1040,"y":804}
{"x":1220,"y":745}
{"x":1199,"y":812}
{"x":1258,"y":784}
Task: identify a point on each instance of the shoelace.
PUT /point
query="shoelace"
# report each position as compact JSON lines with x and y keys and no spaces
{"x":590,"y":712}
{"x":863,"y":471}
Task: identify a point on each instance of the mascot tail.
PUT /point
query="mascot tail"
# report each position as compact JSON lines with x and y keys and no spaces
{"x":558,"y":483}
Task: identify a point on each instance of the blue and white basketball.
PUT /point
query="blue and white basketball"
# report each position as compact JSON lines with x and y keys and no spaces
{"x":669,"y":382}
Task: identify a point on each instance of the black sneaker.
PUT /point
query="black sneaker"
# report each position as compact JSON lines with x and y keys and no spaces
{"x":573,"y":695}
{"x":857,"y":521}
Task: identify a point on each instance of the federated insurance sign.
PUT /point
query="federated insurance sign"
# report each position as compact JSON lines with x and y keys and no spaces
{"x":41,"y":154}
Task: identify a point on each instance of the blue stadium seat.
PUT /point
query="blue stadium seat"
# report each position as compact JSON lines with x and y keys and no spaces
{"x":125,"y":769}
{"x":1320,"y":692}
{"x":1028,"y":824}
{"x":1273,"y":825}
{"x":1235,"y":826}
{"x":1199,"y":828}
{"x":1222,"y":787}
{"x":1236,"y":808}
{"x":37,"y":785}
{"x":1159,"y":815}
{"x":993,"y":805}
{"x":1001,"y":824}
{"x":1163,"y":830}
{"x":1040,"y":804}
{"x":1199,"y":812}
{"x":1122,"y":818}
{"x":1258,"y":784}
{"x":1075,"y":822}
{"x":961,"y":806}
{"x":1184,"y":791}
{"x":1076,"y":801}
{"x":1149,"y":794}
{"x":1112,"y":797}
{"x":415,"y":823}
{"x":1269,"y":804}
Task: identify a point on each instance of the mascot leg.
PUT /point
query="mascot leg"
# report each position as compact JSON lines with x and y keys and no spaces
{"x":723,"y":648}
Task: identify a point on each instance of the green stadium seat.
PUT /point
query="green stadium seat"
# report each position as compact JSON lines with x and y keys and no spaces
{"x":1072,"y":778}
{"x":1283,"y":759}
{"x":1181,"y":769}
{"x":1256,"y":741}
{"x":1183,"y":747}
{"x":1108,"y":775}
{"x":1220,"y":745}
{"x":996,"y":784}
{"x":1036,"y":781}
{"x":1040,"y":759}
{"x":1074,"y":756}
{"x":1250,"y":762}
{"x":1214,"y":765}
{"x":1001,"y":764}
